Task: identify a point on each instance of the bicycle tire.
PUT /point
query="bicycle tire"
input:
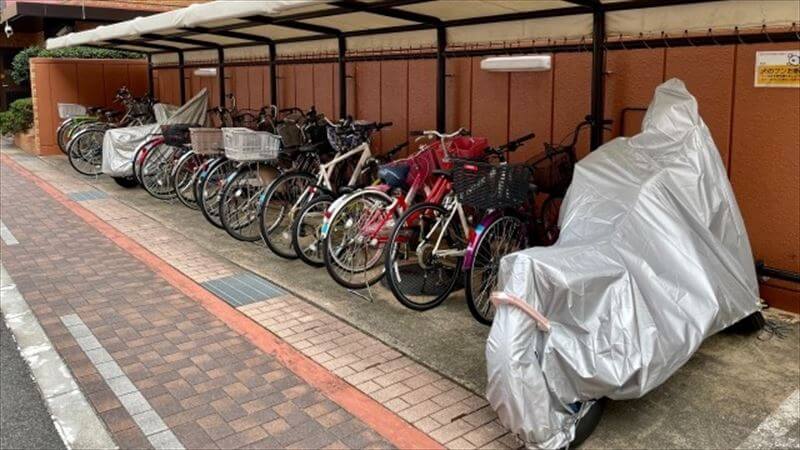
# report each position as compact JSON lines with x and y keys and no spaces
{"x":139,"y":154}
{"x":335,"y":253}
{"x":183,"y":178}
{"x":210,"y":188}
{"x":61,"y":134}
{"x":273,"y":221}
{"x":87,"y":143}
{"x":310,"y":251}
{"x":156,"y":171}
{"x":484,"y":259}
{"x":241,"y":195}
{"x":551,"y":208}
{"x":404,"y":291}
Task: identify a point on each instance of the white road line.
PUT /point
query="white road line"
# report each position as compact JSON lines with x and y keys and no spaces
{"x":72,"y":414}
{"x":779,"y":430}
{"x":138,"y":407}
{"x":6,"y":236}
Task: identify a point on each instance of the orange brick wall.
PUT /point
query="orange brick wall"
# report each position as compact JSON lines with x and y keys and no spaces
{"x":88,"y":82}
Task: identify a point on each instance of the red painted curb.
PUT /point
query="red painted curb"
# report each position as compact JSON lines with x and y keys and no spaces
{"x":383,"y":421}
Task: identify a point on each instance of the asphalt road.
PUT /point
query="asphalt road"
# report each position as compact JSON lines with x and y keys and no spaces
{"x":25,"y":422}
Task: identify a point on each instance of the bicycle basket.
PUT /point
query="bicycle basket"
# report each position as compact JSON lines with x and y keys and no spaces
{"x":67,"y":110}
{"x":552,"y":174}
{"x":486,"y":186}
{"x":244,"y":144}
{"x":343,"y":142}
{"x":177,"y":134}
{"x":423,"y":163}
{"x":206,"y":141}
{"x":462,"y":147}
{"x":290,"y":133}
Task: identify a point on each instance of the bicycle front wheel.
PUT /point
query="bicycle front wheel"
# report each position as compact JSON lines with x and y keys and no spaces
{"x":503,"y":236}
{"x":85,"y":151}
{"x":307,"y":231}
{"x":238,"y":206}
{"x":156,"y":171}
{"x":183,"y":178}
{"x":423,"y":256}
{"x":211,"y":185}
{"x":354,"y":244}
{"x":276,"y":213}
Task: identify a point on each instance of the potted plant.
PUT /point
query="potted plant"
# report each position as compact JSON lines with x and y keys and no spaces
{"x":18,"y":121}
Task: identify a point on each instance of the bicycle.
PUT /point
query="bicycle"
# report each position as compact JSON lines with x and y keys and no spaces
{"x":213,"y":175}
{"x":206,"y":145}
{"x":359,"y":225}
{"x":430,"y":245}
{"x":292,"y":191}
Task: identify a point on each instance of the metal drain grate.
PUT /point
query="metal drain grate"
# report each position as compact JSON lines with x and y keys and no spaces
{"x":243,"y":288}
{"x":87,"y":195}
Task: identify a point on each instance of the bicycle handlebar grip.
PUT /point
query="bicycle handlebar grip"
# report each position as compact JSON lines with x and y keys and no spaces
{"x":465,"y":132}
{"x":522,"y":139}
{"x":383,"y":124}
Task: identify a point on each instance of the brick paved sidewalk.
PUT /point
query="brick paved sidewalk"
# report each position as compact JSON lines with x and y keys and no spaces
{"x":153,"y":362}
{"x":450,"y":414}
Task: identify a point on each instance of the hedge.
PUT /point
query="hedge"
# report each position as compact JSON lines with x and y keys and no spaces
{"x":20,"y":70}
{"x":18,"y":118}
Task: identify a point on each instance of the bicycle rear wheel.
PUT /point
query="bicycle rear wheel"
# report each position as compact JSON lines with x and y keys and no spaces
{"x":238,"y":206}
{"x":419,"y":277}
{"x":276,"y":213}
{"x":503,"y":236}
{"x":211,"y":186}
{"x":306,"y":231}
{"x":85,"y":151}
{"x":356,"y":238}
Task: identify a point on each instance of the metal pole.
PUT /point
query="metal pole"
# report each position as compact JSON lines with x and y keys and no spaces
{"x":150,"y":82}
{"x":221,"y":74}
{"x":598,"y":74}
{"x":181,"y":78}
{"x":273,"y":75}
{"x":441,"y":86}
{"x":342,"y":77}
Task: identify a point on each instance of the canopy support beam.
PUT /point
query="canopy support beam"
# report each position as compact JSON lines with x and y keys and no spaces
{"x":387,"y":11}
{"x":181,"y":78}
{"x":441,"y":78}
{"x":342,"y":77}
{"x":150,"y":82}
{"x":598,"y":77}
{"x":221,"y":75}
{"x":273,"y":75}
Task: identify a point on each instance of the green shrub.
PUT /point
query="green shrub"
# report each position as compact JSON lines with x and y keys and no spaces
{"x":20,"y":69}
{"x":18,"y":118}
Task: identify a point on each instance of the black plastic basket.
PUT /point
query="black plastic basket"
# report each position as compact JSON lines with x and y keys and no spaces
{"x":486,"y":186}
{"x":552,"y":174}
{"x":177,"y":134}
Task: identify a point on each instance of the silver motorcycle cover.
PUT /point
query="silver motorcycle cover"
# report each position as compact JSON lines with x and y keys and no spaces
{"x":653,"y":258}
{"x":120,"y":144}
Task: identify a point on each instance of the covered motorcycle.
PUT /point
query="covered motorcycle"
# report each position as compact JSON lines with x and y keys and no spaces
{"x":652,"y":259}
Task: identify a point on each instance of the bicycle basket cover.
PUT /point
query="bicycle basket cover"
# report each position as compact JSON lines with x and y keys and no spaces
{"x":394,"y":174}
{"x":290,"y":134}
{"x":177,"y":134}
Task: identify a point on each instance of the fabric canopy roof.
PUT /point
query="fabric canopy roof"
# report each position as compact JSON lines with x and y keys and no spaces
{"x":297,"y":26}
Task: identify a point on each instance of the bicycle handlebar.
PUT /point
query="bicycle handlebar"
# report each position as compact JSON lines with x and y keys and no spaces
{"x":396,"y":149}
{"x":435,"y":134}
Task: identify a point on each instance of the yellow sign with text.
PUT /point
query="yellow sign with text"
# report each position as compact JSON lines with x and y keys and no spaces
{"x":778,"y":69}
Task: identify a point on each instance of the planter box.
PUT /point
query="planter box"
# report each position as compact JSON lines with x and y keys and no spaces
{"x":26,"y":141}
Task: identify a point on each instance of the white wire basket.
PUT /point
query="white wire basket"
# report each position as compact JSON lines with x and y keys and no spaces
{"x":67,"y":110}
{"x":206,"y":141}
{"x":244,"y":144}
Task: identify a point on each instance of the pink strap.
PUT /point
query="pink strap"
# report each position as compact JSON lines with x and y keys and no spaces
{"x":501,"y":298}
